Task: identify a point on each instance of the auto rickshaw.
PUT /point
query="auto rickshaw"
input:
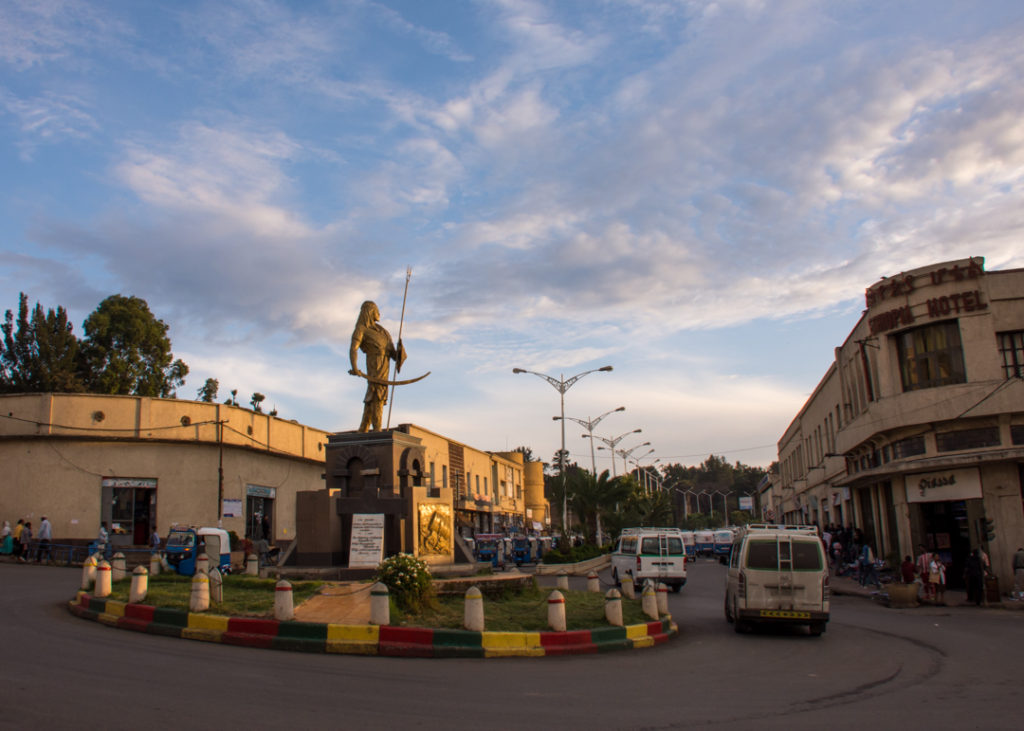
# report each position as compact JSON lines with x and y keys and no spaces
{"x":520,"y":550}
{"x":489,"y":547}
{"x":184,"y":544}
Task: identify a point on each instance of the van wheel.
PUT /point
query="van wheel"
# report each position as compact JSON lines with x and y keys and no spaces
{"x":817,"y":629}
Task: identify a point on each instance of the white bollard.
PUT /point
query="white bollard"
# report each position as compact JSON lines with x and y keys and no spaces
{"x":140,"y":585}
{"x":154,"y":564}
{"x":473,"y":615}
{"x":556,"y":611}
{"x":628,"y":589}
{"x":199,"y":599}
{"x":216,"y":587}
{"x":165,"y":565}
{"x":284,"y":604}
{"x":89,"y":572}
{"x":662,"y":595}
{"x":102,"y":580}
{"x":380,"y":606}
{"x":593,"y":582}
{"x":252,"y":565}
{"x":118,"y":567}
{"x":649,"y":601}
{"x":563,"y":581}
{"x":613,"y":607}
{"x":202,"y":564}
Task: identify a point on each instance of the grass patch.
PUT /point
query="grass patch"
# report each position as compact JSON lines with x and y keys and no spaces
{"x":244,"y":596}
{"x":524,"y":611}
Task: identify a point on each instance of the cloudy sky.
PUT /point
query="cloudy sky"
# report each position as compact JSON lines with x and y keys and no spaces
{"x":696,"y":193}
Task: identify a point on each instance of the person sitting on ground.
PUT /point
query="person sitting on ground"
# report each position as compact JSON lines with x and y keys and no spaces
{"x":908,"y":571}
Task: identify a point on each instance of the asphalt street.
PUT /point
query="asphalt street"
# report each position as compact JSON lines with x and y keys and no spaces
{"x":937,"y":667}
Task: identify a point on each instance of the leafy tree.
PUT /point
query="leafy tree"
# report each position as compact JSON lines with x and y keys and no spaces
{"x":255,"y":400}
{"x":126,"y":350}
{"x":232,"y":400}
{"x":208,"y":393}
{"x":527,"y":453}
{"x":39,"y":352}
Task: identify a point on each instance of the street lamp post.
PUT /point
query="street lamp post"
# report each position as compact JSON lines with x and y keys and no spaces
{"x":589,"y":425}
{"x":612,"y":443}
{"x":562,"y":385}
{"x":625,"y":453}
{"x":725,"y":506}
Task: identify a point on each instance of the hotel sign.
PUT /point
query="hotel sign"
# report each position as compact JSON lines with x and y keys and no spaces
{"x":893,"y":294}
{"x":936,"y":487}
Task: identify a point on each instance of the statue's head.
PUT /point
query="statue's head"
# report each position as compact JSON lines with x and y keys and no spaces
{"x":368,"y":313}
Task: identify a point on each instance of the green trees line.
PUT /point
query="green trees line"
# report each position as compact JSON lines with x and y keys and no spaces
{"x":125,"y":351}
{"x":606,"y":505}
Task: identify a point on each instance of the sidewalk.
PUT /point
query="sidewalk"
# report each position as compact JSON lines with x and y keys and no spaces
{"x":848,"y":586}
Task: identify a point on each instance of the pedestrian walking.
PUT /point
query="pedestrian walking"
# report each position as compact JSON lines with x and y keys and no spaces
{"x":1018,"y":574}
{"x":26,"y":541}
{"x":101,"y":539}
{"x":45,"y":537}
{"x":974,"y":577}
{"x":6,"y":539}
{"x":937,"y":578}
{"x":16,"y":538}
{"x":868,"y":571}
{"x":924,"y":566}
{"x":154,"y":541}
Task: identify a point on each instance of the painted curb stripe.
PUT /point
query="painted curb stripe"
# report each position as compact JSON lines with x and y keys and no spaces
{"x":365,"y":639}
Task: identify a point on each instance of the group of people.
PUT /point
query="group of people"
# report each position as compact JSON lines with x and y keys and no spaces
{"x":17,"y":541}
{"x":850,"y":551}
{"x":930,"y":570}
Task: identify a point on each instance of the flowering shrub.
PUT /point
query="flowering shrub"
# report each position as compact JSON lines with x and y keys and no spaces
{"x":407,"y":579}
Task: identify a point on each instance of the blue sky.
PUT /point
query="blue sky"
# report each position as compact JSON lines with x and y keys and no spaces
{"x":696,"y":193}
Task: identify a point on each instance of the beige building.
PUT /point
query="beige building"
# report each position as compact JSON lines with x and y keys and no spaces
{"x":915,"y":434}
{"x":141,"y":464}
{"x":493,"y":492}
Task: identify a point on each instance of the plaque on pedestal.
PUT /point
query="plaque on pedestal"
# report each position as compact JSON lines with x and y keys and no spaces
{"x":366,"y":547}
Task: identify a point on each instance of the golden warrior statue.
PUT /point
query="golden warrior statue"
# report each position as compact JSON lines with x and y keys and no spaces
{"x":371,"y":338}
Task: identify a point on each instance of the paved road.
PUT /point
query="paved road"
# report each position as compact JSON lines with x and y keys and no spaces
{"x":875,"y":667}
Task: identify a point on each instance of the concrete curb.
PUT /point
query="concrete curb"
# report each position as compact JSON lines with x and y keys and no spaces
{"x":366,"y":639}
{"x":574,"y":569}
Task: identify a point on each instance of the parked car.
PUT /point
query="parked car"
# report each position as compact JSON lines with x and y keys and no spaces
{"x":777,"y":575}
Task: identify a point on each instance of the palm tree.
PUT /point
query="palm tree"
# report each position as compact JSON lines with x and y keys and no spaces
{"x":593,"y":496}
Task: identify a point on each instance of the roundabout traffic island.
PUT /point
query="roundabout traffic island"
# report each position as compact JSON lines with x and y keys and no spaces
{"x":379,"y":636}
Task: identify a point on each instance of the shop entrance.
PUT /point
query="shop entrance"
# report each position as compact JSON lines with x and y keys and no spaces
{"x":259,"y":513}
{"x":129,"y":510}
{"x":946,"y":531}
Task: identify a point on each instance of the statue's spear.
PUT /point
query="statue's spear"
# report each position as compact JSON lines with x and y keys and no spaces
{"x":398,"y":360}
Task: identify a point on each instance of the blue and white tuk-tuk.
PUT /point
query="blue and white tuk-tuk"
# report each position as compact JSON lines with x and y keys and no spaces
{"x":723,"y":542}
{"x":520,"y":550}
{"x":490,"y":547}
{"x":184,"y":544}
{"x":704,"y":542}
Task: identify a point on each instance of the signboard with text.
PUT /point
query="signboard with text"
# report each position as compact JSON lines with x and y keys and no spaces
{"x":366,"y":545}
{"x":935,"y":487}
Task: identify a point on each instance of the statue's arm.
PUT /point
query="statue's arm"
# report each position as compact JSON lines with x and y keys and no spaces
{"x":353,"y":351}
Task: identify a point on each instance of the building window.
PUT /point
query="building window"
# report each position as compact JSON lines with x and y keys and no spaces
{"x":1017,"y":433}
{"x":1011,"y":346}
{"x":931,"y":356}
{"x":444,"y":476}
{"x":909,"y":447}
{"x":953,"y":441}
